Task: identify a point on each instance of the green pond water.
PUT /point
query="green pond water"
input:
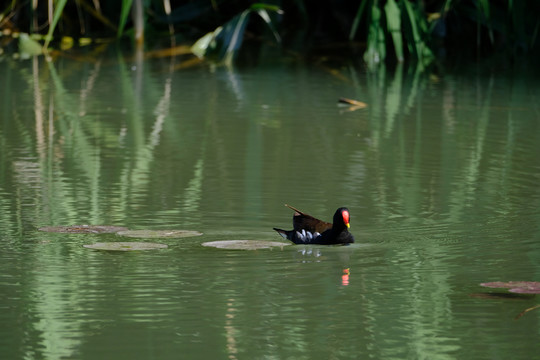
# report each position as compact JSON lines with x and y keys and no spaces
{"x":441,"y":175}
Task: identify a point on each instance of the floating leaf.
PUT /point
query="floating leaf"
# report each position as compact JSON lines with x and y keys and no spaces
{"x":159,"y":233}
{"x":244,"y":244}
{"x":125,"y":246}
{"x":521,"y":287}
{"x":530,"y":288}
{"x":83,"y":229}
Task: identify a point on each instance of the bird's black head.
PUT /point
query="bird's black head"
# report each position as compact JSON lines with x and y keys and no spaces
{"x":342,"y":218}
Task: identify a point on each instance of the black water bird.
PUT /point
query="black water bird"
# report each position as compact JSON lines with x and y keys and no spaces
{"x":310,"y":230}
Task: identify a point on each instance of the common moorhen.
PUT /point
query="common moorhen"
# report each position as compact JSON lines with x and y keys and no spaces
{"x":309,"y":230}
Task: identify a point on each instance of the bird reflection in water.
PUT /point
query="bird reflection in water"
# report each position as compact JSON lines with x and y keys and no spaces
{"x":345,"y":277}
{"x":308,"y":251}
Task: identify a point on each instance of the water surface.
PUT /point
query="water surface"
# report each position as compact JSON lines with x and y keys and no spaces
{"x":440,"y":174}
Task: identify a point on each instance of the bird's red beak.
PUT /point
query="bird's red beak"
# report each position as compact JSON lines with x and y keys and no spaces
{"x":345,"y":215}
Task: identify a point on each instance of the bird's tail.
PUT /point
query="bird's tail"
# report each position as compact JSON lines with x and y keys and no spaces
{"x":283,"y":233}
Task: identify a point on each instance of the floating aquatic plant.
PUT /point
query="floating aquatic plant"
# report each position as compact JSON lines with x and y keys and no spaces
{"x":125,"y":246}
{"x":83,"y":229}
{"x":517,"y":287}
{"x":159,"y":233}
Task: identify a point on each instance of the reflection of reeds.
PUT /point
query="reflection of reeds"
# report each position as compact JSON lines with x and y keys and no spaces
{"x":65,"y":135}
{"x":428,"y":163}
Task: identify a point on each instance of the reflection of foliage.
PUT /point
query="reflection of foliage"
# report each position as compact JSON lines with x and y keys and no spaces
{"x":163,"y":148}
{"x":66,"y":125}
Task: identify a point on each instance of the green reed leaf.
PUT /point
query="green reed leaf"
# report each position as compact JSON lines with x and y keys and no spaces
{"x":60,"y":4}
{"x":393,"y":23}
{"x":124,"y":13}
{"x":357,"y":18}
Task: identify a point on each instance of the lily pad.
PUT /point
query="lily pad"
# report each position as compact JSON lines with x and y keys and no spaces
{"x":159,"y":233}
{"x":528,"y":290}
{"x":83,"y":229}
{"x":125,"y":246}
{"x":519,"y":287}
{"x":244,"y":244}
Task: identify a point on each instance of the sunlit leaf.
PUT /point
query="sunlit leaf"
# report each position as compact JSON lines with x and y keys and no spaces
{"x":28,"y":46}
{"x":159,"y":233}
{"x":125,"y":246}
{"x":83,"y":229}
{"x":85,"y":41}
{"x":201,"y":46}
{"x":66,"y":43}
{"x":244,"y":244}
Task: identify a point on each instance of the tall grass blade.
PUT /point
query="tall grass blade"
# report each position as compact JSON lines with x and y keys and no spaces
{"x":266,"y":17}
{"x":138,"y":20}
{"x":357,"y":18}
{"x":168,"y":9}
{"x":56,"y":16}
{"x":124,"y":13}
{"x":235,"y":37}
{"x":393,"y":23}
{"x":484,"y":10}
{"x":376,"y":50}
{"x":418,"y":27}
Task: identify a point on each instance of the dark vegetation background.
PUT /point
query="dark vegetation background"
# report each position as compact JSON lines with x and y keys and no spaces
{"x":379,"y":30}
